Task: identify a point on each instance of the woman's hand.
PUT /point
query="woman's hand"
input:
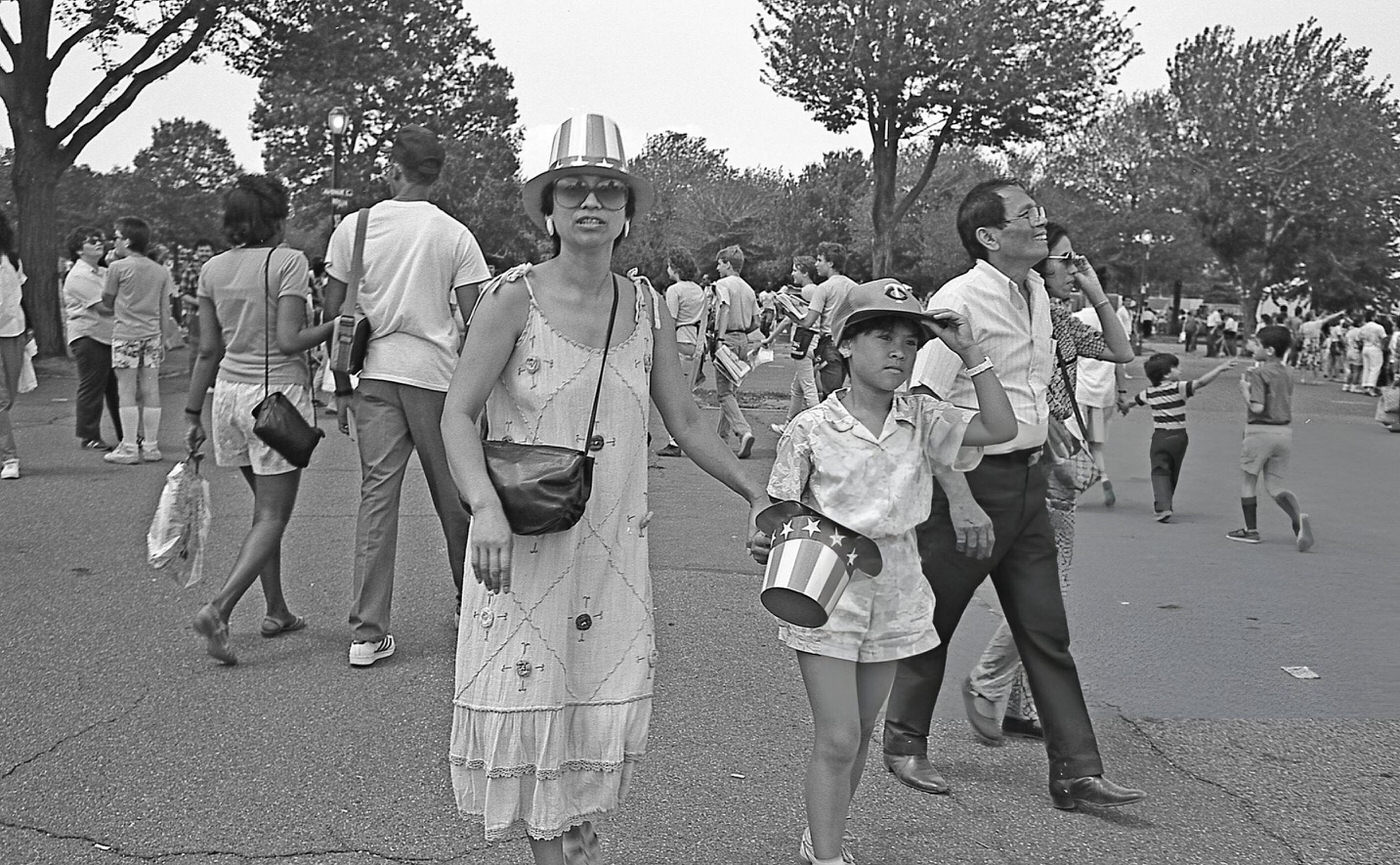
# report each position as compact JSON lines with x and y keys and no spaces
{"x":1085,"y":279}
{"x":760,"y":544}
{"x":342,"y":413}
{"x":954,"y":329}
{"x":491,"y":548}
{"x":194,"y":434}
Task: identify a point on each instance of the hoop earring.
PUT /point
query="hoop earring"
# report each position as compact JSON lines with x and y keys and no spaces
{"x":626,"y":228}
{"x":549,"y":225}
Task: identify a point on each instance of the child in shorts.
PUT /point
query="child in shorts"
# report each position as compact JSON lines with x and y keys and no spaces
{"x":1167,"y":398}
{"x":864,"y":458}
{"x":1268,"y":438}
{"x":136,"y":292}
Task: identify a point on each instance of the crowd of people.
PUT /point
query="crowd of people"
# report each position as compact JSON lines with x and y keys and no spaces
{"x":956,"y":434}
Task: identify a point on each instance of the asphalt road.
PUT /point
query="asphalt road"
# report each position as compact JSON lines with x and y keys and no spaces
{"x":124,"y":742}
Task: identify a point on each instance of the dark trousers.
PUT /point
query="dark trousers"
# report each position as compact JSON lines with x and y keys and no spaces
{"x":826,"y":364}
{"x":96,"y":383}
{"x":1190,"y":341}
{"x":1166,"y":452}
{"x":1023,"y":569}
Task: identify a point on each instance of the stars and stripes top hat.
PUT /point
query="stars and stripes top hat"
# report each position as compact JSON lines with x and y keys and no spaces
{"x":810,"y":563}
{"x":585,"y":144}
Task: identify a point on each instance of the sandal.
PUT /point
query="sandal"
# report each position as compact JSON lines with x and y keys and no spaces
{"x":214,"y":630}
{"x":275,"y":627}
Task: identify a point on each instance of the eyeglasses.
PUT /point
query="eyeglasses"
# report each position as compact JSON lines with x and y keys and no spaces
{"x":574,"y":191}
{"x":1035,"y":214}
{"x":100,"y":241}
{"x":1067,"y":258}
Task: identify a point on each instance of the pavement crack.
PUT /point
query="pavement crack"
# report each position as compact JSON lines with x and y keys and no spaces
{"x":103,"y":722}
{"x":204,"y":853}
{"x":1249,"y":806}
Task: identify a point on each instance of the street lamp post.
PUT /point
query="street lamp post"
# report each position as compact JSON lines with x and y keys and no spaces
{"x":337,"y":120}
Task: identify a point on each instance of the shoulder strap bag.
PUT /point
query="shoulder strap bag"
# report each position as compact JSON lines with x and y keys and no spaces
{"x":275,"y":419}
{"x":544,"y":488}
{"x":1077,"y":468}
{"x":350,"y":337}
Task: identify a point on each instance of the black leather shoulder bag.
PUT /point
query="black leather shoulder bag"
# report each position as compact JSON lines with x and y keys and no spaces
{"x":275,"y":420}
{"x":545,"y":488}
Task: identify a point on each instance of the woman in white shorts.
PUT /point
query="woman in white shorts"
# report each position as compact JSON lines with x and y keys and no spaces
{"x":238,"y":290}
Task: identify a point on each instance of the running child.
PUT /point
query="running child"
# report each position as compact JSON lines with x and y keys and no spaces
{"x":1268,"y":437}
{"x":864,"y":458}
{"x":1167,"y":398}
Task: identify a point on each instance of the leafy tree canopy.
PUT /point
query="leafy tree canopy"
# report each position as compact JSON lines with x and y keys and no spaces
{"x":975,"y":72}
{"x":1288,"y":149}
{"x":390,"y":63}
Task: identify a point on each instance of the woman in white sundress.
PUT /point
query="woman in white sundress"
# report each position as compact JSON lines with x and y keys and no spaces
{"x":555,"y":653}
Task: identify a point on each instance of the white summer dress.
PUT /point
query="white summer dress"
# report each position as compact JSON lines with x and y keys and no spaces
{"x":554,"y":679}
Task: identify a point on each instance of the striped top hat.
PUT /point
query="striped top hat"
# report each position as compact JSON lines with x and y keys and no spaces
{"x":585,"y":144}
{"x":810,"y":563}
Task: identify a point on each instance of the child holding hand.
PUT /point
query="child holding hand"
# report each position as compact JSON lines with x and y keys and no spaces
{"x":864,"y":458}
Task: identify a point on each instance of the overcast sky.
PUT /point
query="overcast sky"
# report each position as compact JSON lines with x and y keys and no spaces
{"x":690,"y":66}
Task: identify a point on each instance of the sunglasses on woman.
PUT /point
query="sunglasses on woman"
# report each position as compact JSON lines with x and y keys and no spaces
{"x":574,"y":191}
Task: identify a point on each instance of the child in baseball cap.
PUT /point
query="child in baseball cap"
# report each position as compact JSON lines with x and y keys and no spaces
{"x":864,"y":457}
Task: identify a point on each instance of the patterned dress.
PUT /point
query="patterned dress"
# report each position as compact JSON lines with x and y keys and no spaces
{"x":554,"y":679}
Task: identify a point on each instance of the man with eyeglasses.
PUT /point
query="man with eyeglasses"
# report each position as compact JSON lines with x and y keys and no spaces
{"x":415,"y":258}
{"x":989,"y":517}
{"x":90,"y":338}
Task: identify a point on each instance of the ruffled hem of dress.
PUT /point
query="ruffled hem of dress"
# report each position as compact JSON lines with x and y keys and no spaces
{"x":520,"y":771}
{"x":521,"y":829}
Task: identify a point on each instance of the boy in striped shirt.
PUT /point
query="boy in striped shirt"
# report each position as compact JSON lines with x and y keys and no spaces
{"x":1167,"y":398}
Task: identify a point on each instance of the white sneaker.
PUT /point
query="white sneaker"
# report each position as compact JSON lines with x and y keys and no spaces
{"x":150,"y":453}
{"x":806,"y":854}
{"x":10,"y":471}
{"x":365,"y":654}
{"x":126,"y":454}
{"x":778,"y":428}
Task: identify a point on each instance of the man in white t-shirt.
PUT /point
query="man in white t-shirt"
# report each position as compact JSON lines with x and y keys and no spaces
{"x":835,"y":285}
{"x":415,"y":258}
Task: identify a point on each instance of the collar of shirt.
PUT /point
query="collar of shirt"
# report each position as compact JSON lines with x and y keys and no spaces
{"x":841,"y":419}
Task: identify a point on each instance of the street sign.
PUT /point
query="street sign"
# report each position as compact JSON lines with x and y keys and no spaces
{"x":337,"y":193}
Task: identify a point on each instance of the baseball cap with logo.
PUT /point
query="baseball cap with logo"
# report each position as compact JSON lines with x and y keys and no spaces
{"x":878,"y":299}
{"x":586,"y":144}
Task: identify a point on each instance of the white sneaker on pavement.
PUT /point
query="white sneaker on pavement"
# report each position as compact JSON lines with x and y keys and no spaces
{"x":125,"y":454}
{"x":10,"y":471}
{"x":365,"y":654}
{"x":150,"y":453}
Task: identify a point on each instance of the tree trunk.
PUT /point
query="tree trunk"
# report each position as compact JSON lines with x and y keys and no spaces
{"x":35,"y":179}
{"x":885,"y":164}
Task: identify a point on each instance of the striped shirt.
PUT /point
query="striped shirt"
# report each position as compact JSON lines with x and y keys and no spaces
{"x":1168,"y":404}
{"x":1014,"y":335}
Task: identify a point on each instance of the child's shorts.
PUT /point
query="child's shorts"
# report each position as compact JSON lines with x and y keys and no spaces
{"x":1266,"y":450}
{"x":136,"y":353}
{"x":235,"y":443}
{"x":882,"y":618}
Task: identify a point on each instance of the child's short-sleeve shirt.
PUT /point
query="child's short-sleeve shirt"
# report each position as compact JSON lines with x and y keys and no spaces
{"x":1270,"y":384}
{"x":1168,"y":403}
{"x":877,"y":485}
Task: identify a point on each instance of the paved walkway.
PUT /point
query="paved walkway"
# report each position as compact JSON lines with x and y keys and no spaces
{"x":125,"y":743}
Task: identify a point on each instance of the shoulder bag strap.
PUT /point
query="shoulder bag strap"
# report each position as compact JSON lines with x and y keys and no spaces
{"x":269,"y":322}
{"x":357,"y":264}
{"x":1069,"y":389}
{"x":607,"y":343}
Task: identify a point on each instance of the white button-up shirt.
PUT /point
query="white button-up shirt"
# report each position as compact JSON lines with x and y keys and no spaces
{"x":1014,"y":336}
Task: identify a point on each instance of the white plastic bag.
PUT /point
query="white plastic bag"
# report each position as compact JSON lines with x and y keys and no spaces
{"x":27,"y":380}
{"x":762,"y":356}
{"x":181,"y":524}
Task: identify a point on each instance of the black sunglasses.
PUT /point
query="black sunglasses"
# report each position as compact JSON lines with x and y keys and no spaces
{"x":574,"y":191}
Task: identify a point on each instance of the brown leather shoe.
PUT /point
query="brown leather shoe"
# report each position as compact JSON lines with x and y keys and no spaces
{"x":1022,"y":728}
{"x":1068,"y":793}
{"x":914,"y":770}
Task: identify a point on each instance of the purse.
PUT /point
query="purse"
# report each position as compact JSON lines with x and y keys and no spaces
{"x":350,"y":335}
{"x":544,"y":488}
{"x":275,"y":419}
{"x":1076,"y":469}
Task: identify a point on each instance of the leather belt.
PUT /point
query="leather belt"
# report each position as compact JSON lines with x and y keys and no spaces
{"x":1027,"y":456}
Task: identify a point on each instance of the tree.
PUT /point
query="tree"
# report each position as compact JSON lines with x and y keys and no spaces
{"x":177,"y":181}
{"x":390,"y":63}
{"x":141,"y":41}
{"x":976,"y":72}
{"x":1289,"y":150}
